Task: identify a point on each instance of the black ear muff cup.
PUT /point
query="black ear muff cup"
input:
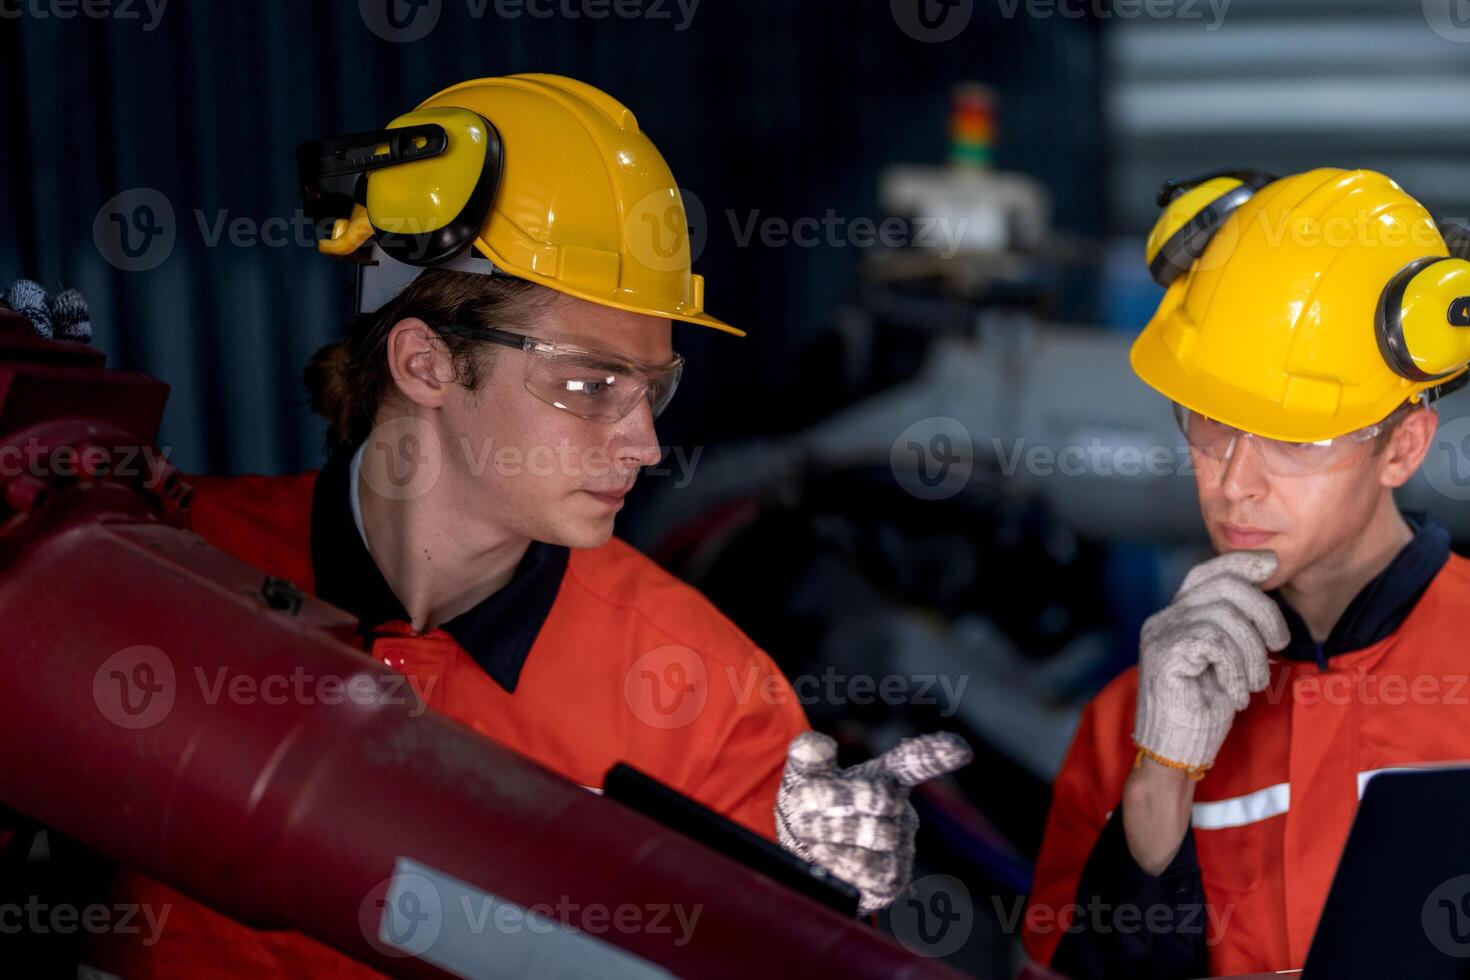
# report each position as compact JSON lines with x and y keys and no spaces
{"x":1388,"y":323}
{"x":1180,"y":250}
{"x":1423,"y":319}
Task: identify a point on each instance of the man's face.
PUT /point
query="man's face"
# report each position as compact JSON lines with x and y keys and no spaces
{"x":1310,"y":519}
{"x":524,"y":466}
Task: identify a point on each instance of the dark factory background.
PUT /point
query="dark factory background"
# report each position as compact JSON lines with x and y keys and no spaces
{"x":797,"y":493}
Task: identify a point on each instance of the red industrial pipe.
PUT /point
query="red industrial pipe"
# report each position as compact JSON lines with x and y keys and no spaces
{"x":350,"y":813}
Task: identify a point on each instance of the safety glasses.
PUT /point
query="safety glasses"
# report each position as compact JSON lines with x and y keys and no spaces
{"x":1219,"y":442}
{"x":590,"y":384}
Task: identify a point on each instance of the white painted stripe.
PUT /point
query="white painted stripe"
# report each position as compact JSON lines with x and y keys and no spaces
{"x":1237,"y":811}
{"x":476,"y":935}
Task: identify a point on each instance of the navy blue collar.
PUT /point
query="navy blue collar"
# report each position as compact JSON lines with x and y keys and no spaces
{"x":497,"y":633}
{"x":1382,"y":605}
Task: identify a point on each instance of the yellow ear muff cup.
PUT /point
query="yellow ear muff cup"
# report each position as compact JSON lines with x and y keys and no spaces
{"x":427,"y":211}
{"x":1423,"y":321}
{"x":1188,"y":223}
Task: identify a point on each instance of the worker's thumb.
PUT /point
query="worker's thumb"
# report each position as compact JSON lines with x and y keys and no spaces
{"x":917,"y":760}
{"x":811,"y":754}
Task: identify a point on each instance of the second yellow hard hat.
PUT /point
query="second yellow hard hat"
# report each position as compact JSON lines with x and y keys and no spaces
{"x":1305,"y":307}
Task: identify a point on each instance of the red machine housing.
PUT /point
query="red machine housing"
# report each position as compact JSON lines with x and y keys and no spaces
{"x":292,"y":813}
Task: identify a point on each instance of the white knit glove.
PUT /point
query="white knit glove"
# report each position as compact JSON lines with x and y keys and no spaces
{"x":858,"y":822}
{"x":1203,"y":655}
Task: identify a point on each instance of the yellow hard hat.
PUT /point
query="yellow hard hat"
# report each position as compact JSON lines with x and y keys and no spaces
{"x":548,"y":178}
{"x":1304,"y":307}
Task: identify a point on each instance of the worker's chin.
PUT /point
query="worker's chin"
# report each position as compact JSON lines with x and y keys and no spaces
{"x":1225,"y":542}
{"x":583,"y":532}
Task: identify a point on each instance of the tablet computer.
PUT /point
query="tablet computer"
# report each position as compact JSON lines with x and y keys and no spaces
{"x":673,"y":809}
{"x":1399,"y":905}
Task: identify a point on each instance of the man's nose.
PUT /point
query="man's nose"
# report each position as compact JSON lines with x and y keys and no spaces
{"x":1244,"y":475}
{"x":635,"y":443}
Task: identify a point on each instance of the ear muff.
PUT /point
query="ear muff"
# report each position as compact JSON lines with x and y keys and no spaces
{"x":424,"y":185}
{"x":1423,"y":318}
{"x":1194,"y":207}
{"x":427,"y":210}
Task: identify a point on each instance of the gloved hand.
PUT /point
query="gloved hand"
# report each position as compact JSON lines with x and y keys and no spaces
{"x":65,"y":317}
{"x":858,"y":822}
{"x":29,"y":300}
{"x":1202,"y":656}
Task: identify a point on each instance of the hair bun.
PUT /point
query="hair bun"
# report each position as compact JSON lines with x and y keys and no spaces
{"x":331,"y":395}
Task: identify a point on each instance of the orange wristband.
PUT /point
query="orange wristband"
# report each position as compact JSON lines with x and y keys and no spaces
{"x":1195,"y":773}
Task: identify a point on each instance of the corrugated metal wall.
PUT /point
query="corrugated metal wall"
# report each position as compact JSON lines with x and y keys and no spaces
{"x":784,"y":107}
{"x":1287,"y":85}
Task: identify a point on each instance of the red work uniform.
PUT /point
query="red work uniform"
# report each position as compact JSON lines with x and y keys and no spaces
{"x":585,"y":659}
{"x":1388,"y":688}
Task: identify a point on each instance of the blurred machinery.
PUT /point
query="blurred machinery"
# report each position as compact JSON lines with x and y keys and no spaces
{"x":982,"y":212}
{"x":973,"y":225}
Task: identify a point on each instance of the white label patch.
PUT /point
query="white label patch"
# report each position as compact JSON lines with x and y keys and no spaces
{"x":473,"y":934}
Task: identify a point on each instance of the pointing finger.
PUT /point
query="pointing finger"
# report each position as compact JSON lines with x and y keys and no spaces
{"x":916,"y":760}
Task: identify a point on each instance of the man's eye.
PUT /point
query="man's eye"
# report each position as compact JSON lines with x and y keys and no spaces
{"x":590,"y":387}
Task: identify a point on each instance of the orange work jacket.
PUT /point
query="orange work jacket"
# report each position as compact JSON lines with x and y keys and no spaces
{"x":1272,"y":814}
{"x":616,"y":661}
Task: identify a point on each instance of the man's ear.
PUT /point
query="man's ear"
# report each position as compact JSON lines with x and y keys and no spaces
{"x":1407,"y":446}
{"x":419,"y":362}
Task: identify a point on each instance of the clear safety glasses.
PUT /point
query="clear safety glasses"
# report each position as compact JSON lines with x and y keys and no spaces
{"x":590,"y":384}
{"x":1219,"y":441}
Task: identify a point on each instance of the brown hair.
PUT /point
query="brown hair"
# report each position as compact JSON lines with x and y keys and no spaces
{"x":349,"y":380}
{"x":1392,"y":421}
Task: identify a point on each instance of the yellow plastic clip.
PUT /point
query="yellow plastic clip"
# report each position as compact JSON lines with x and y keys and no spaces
{"x":348,"y":234}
